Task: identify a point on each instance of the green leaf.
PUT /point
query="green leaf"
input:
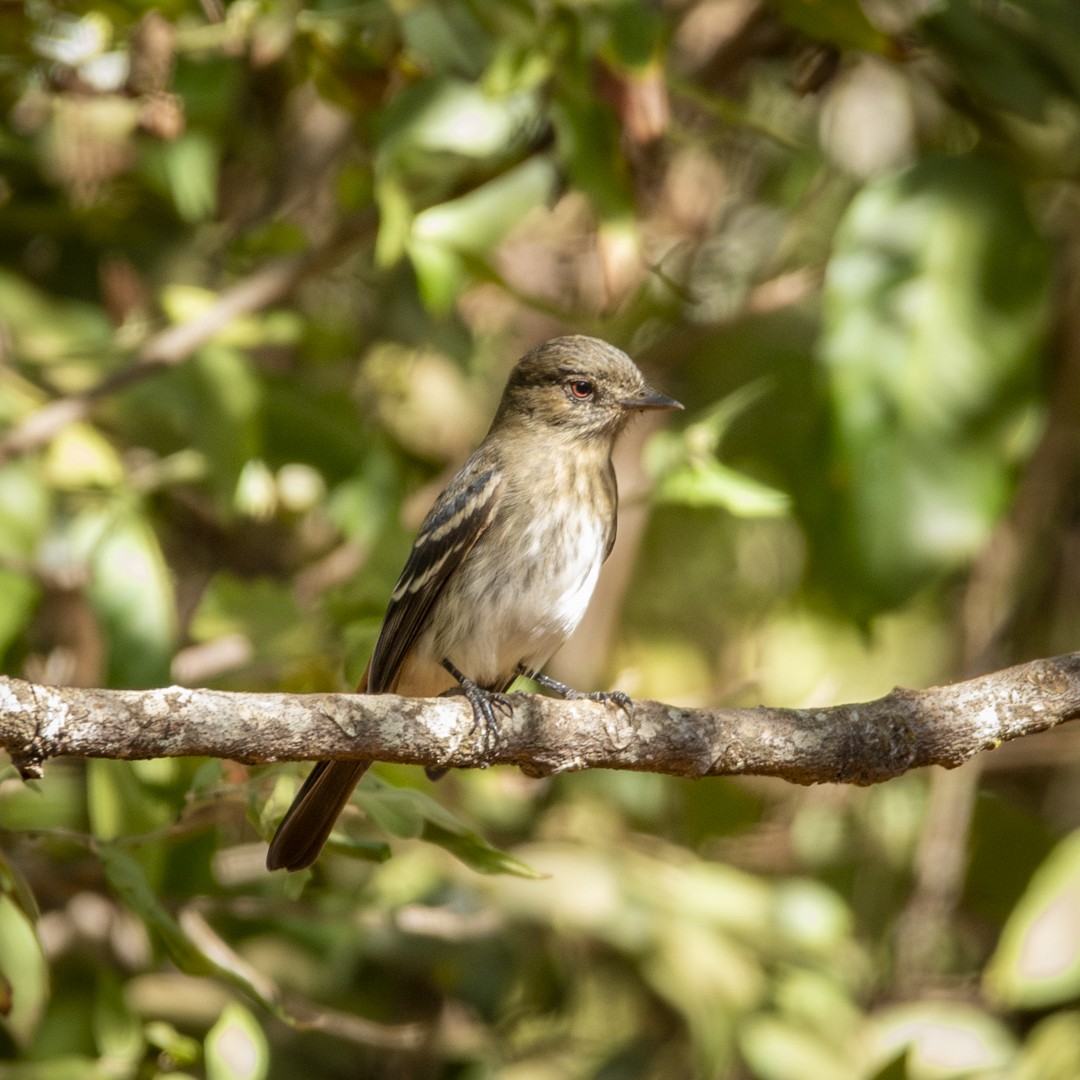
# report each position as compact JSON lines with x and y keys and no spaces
{"x":24,"y":974}
{"x":778,"y":1049}
{"x":994,"y":60}
{"x":838,"y":22}
{"x":1037,"y":961}
{"x":118,"y":803}
{"x":689,"y":474}
{"x":236,"y":1048}
{"x":25,"y":506}
{"x":473,"y":224}
{"x":48,"y":331}
{"x":412,"y":814}
{"x":81,"y":457}
{"x":1051,"y":1050}
{"x":945,"y":1040}
{"x":128,"y":879}
{"x":452,"y":116}
{"x":710,"y":484}
{"x":475,"y":852}
{"x":589,"y":144}
{"x":181,"y":1048}
{"x":935,"y":306}
{"x":187,"y":168}
{"x":118,"y":1031}
{"x":19,"y":595}
{"x":131,"y":590}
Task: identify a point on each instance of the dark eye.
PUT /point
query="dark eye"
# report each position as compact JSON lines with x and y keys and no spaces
{"x":581,"y":388}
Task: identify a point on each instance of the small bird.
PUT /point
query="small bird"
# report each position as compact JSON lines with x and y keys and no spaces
{"x":505,"y":562}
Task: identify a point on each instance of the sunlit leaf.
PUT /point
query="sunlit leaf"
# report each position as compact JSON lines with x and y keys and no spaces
{"x":132,"y":591}
{"x":945,"y":1040}
{"x":780,"y":1050}
{"x":236,"y":1048}
{"x":710,"y":484}
{"x":81,"y":457}
{"x":473,"y":224}
{"x":1037,"y":960}
{"x":688,"y":472}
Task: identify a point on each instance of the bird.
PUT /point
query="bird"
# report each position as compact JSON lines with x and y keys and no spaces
{"x":505,"y":562}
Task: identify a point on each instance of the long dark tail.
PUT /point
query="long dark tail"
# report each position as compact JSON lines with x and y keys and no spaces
{"x":310,"y":819}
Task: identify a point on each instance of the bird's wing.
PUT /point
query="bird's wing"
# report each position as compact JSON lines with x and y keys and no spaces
{"x":457,"y":520}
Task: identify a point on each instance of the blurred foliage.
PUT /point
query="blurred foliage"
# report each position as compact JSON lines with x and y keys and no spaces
{"x":263,"y":268}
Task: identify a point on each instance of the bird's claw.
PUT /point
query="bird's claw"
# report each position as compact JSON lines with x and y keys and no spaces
{"x":614,"y":697}
{"x":485,"y":704}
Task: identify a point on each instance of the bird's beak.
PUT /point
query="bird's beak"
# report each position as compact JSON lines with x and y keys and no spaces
{"x":648,"y":398}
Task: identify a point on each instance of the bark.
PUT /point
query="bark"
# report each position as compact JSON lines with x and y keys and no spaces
{"x":864,"y":743}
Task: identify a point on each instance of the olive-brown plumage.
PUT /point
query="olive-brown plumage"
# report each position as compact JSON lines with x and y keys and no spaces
{"x":505,"y":562}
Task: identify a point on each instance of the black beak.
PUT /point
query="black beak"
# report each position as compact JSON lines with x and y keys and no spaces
{"x":648,"y":398}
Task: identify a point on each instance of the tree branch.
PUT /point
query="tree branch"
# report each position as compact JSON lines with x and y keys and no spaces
{"x":267,"y":285}
{"x":858,"y":744}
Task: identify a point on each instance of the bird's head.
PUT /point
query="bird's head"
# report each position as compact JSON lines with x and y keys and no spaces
{"x":578,"y":386}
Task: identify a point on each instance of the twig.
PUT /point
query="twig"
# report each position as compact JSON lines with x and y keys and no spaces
{"x":863,"y":743}
{"x":168,"y":347}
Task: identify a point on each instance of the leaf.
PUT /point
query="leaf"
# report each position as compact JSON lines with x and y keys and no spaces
{"x":935,"y":305}
{"x":81,"y":457}
{"x":236,"y":1048}
{"x":473,"y":224}
{"x":588,"y":144}
{"x":995,"y":61}
{"x":944,"y":1040}
{"x":412,"y":814}
{"x":710,"y":484}
{"x":778,"y":1049}
{"x":689,"y":474}
{"x":131,"y":590}
{"x":453,"y":116}
{"x":1051,"y":1050}
{"x":477,"y":221}
{"x":24,"y":974}
{"x":838,"y":22}
{"x":19,"y":595}
{"x":1037,"y":960}
{"x":187,"y":169}
{"x":25,"y":507}
{"x":118,"y":1031}
{"x":475,"y":852}
{"x":127,"y":878}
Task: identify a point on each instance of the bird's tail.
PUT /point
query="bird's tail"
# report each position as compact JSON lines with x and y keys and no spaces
{"x":310,"y":819}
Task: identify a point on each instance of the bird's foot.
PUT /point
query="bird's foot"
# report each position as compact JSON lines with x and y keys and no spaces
{"x":614,"y":697}
{"x":485,"y":704}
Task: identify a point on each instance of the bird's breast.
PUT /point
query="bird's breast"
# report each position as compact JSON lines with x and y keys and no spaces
{"x":524,"y":587}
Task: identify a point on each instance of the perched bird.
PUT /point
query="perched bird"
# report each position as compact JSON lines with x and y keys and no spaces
{"x":505,"y":562}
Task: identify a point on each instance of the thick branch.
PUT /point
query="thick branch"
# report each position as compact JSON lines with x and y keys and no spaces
{"x":858,"y":744}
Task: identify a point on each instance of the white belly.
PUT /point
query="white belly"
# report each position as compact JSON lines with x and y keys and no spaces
{"x":500,"y":613}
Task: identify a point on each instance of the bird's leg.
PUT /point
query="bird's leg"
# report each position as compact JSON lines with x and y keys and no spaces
{"x":616,"y":697}
{"x":484,"y":703}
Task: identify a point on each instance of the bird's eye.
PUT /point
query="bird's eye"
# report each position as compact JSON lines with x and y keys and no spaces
{"x":581,"y":388}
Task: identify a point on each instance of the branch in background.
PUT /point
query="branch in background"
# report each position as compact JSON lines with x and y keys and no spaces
{"x":863,"y":743}
{"x":267,"y":285}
